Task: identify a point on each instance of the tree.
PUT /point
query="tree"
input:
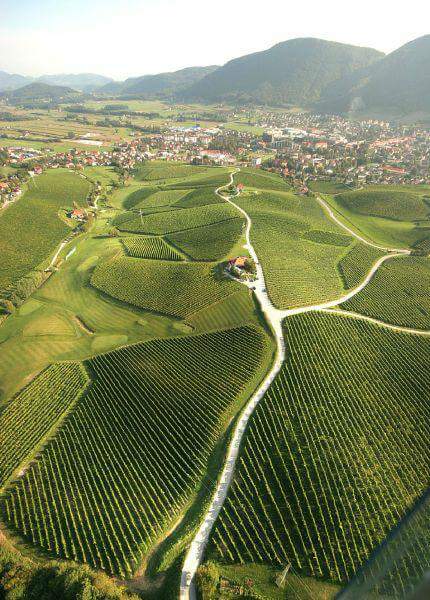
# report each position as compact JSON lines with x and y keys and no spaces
{"x":207,"y":578}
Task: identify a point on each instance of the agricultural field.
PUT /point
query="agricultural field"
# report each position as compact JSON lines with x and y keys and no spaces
{"x":391,"y":216}
{"x":165,"y":222}
{"x":327,"y":187}
{"x":210,"y":242}
{"x":36,"y":215}
{"x":157,"y":171}
{"x":335,"y":453}
{"x":127,"y":484}
{"x":262,"y":180}
{"x":356,"y":262}
{"x":298,"y":246}
{"x":150,"y":247}
{"x":398,"y":294}
{"x":173,"y":289}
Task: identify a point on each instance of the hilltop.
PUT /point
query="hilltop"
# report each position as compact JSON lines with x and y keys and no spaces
{"x":293,"y":72}
{"x":162,"y":83}
{"x":40,"y":91}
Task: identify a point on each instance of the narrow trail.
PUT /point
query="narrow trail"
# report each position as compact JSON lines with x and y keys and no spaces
{"x":274,"y":317}
{"x":360,"y":317}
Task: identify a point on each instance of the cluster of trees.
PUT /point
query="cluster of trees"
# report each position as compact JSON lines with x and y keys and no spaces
{"x":21,"y":579}
{"x":17,"y":293}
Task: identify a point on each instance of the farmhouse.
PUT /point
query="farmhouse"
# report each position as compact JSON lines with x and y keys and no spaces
{"x":77,"y":213}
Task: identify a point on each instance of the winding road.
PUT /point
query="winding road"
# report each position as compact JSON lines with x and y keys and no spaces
{"x":274,"y":317}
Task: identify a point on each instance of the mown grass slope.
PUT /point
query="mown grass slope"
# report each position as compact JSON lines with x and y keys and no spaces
{"x":132,"y":452}
{"x":31,"y":228}
{"x":336,"y":452}
{"x":399,"y":293}
{"x":177,"y":289}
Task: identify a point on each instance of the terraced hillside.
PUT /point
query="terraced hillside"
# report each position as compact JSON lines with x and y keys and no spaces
{"x":133,"y":450}
{"x":398,"y":294}
{"x":336,"y":452}
{"x":36,"y":217}
{"x":149,"y":247}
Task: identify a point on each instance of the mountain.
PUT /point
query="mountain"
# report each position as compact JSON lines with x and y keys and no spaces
{"x":293,"y":72}
{"x":83,"y":82}
{"x":40,"y":91}
{"x":160,"y":84}
{"x":399,"y":83}
{"x":12,"y":81}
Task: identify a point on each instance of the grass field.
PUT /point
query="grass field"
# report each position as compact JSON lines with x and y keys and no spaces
{"x":132,"y":451}
{"x":335,"y":453}
{"x":398,"y":294}
{"x":176,"y":289}
{"x":36,"y":217}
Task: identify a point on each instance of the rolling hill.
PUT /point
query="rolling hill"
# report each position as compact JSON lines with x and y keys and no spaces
{"x":398,"y":83}
{"x":10,"y":81}
{"x":83,"y":82}
{"x":292,"y":72}
{"x":40,"y":91}
{"x":162,"y":83}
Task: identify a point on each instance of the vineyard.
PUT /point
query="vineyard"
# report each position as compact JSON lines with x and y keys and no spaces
{"x":149,"y":247}
{"x":298,"y":246}
{"x":262,"y":180}
{"x":212,"y":242}
{"x":32,"y":413}
{"x":177,"y":289}
{"x":356,"y":262}
{"x":398,"y":205}
{"x":132,"y":452}
{"x":177,"y":220}
{"x":336,"y":452}
{"x":36,"y":217}
{"x":398,"y":294}
{"x":155,"y":171}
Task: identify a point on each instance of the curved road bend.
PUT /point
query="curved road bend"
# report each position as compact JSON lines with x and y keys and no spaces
{"x":354,"y":315}
{"x":275,"y":317}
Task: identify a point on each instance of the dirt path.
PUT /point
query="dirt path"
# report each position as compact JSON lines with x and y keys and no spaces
{"x":359,"y":316}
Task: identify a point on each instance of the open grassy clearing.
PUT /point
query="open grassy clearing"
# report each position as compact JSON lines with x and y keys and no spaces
{"x":36,"y":217}
{"x":125,"y":454}
{"x":398,"y":294}
{"x":393,"y":217}
{"x":298,"y":270}
{"x":149,"y":247}
{"x":335,"y":453}
{"x":263,"y":180}
{"x":212,"y":242}
{"x":34,"y":412}
{"x":177,"y":289}
{"x":177,"y":220}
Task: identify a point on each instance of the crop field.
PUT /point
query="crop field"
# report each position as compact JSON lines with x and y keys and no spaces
{"x":397,"y":205}
{"x":398,"y":294}
{"x":394,"y":216}
{"x":32,"y":413}
{"x":127,"y":458}
{"x":327,"y":187}
{"x":156,"y":171}
{"x":212,"y":242}
{"x":214,"y":179}
{"x":232,"y":311}
{"x":150,"y":247}
{"x":356,"y":262}
{"x":263,"y":180}
{"x":336,"y":452}
{"x":177,"y":289}
{"x":178,"y":220}
{"x":298,"y":246}
{"x":35,"y":216}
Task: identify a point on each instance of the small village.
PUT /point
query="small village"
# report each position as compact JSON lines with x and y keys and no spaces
{"x":301,"y":147}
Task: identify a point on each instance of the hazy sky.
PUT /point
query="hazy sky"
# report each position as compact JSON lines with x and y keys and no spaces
{"x":122,"y":38}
